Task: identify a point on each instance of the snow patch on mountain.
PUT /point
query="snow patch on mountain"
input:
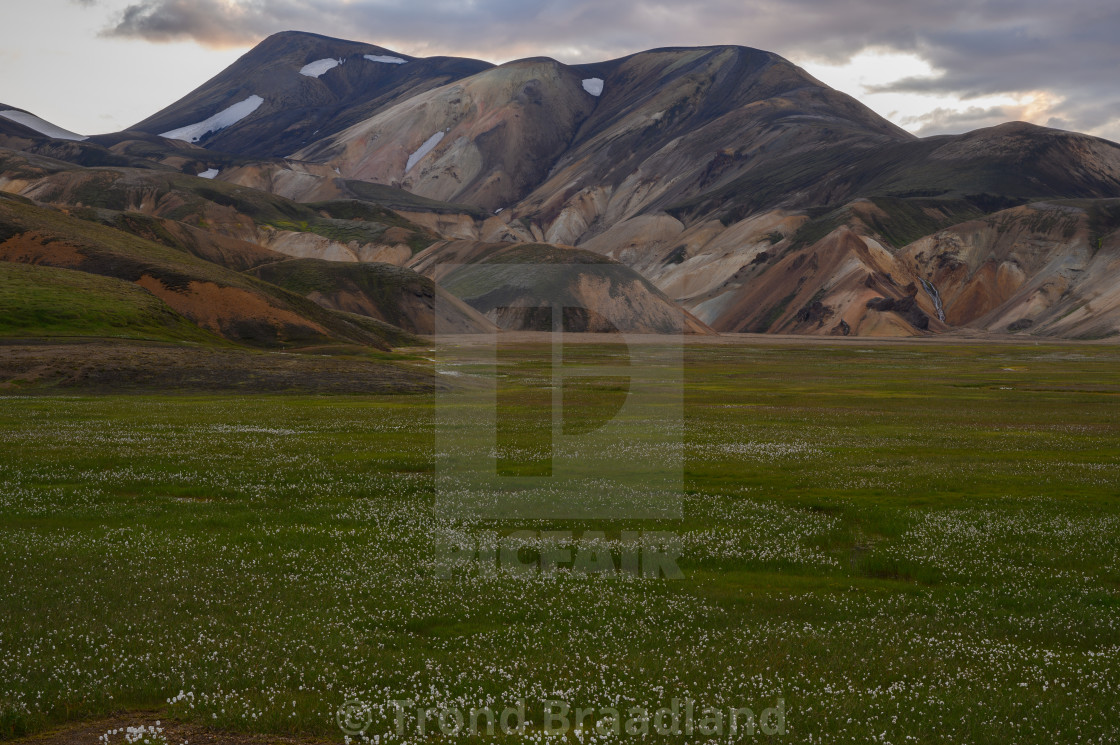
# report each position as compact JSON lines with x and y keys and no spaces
{"x":224,"y":118}
{"x":428,"y":146}
{"x":385,"y":59}
{"x":318,"y":67}
{"x":209,"y":173}
{"x":41,"y":126}
{"x":594,"y":86}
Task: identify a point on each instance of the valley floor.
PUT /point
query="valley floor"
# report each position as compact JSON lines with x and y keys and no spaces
{"x":903,"y":542}
{"x":955,"y":338}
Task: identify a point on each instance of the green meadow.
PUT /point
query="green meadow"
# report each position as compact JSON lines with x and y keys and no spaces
{"x":46,"y":302}
{"x":900,"y":543}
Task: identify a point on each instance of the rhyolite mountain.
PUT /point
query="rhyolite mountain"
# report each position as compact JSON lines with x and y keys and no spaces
{"x":738,"y":186}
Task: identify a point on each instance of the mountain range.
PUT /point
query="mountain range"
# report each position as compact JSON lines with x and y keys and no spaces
{"x":312,"y":191}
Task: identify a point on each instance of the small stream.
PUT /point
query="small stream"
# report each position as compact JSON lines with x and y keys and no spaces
{"x":935,"y":296}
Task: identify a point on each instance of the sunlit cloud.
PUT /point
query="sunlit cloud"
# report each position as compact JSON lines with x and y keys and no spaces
{"x":872,"y":75}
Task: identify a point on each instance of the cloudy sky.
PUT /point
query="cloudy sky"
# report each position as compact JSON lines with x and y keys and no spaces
{"x":932,"y":67}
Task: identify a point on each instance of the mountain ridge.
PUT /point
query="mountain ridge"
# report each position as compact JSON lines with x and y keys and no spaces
{"x":746,"y":191}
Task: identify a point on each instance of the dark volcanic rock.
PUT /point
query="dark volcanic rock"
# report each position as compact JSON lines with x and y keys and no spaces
{"x":906,"y":307}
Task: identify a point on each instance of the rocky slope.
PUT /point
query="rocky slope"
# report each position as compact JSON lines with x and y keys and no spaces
{"x":1047,"y":268}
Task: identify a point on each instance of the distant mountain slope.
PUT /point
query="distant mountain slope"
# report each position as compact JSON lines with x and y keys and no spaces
{"x":296,"y":108}
{"x":388,"y":293}
{"x":662,"y":125}
{"x":1050,"y":269}
{"x":231,"y":226}
{"x":674,"y":123}
{"x":892,"y":267}
{"x":10,"y":116}
{"x":994,"y":166}
{"x":228,"y":303}
{"x":82,"y":152}
{"x":488,"y":140}
{"x":517,"y":286}
{"x":338,"y":230}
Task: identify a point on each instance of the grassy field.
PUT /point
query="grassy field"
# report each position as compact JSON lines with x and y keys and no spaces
{"x":43,"y":301}
{"x":905,"y":544}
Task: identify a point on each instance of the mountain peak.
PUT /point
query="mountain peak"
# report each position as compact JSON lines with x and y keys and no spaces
{"x":285,"y":44}
{"x":294,"y":87}
{"x":296,"y":34}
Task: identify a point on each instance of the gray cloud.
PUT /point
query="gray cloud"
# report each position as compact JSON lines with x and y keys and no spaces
{"x":210,"y":22}
{"x":983,"y":47}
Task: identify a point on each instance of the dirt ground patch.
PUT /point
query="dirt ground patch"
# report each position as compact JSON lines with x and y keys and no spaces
{"x":113,"y":366}
{"x":221,"y":308}
{"x":37,"y":248}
